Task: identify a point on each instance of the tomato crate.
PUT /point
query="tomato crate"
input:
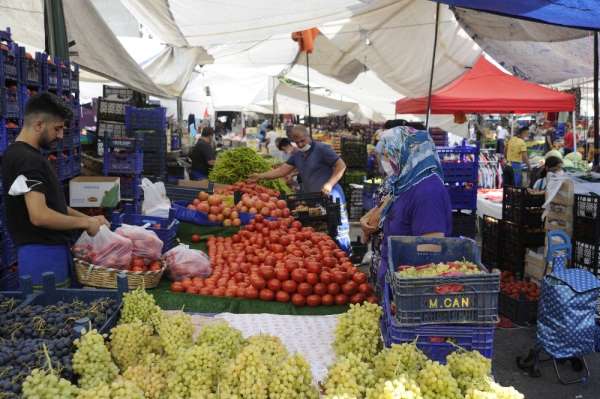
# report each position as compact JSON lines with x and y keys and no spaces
{"x":443,"y":299}
{"x":123,"y":162}
{"x":436,"y":341}
{"x":9,"y":59}
{"x":519,"y":311}
{"x":165,"y":228}
{"x":491,"y":241}
{"x":31,"y":69}
{"x":178,"y":193}
{"x":523,"y":207}
{"x":10,"y":101}
{"x":515,"y":241}
{"x":586,"y":225}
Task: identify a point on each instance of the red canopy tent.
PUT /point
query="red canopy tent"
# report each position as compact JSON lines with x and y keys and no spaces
{"x":486,"y":89}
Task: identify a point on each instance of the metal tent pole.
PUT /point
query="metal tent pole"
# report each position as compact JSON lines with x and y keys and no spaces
{"x":596,"y":105}
{"x":308,"y":93}
{"x":435,"y":38}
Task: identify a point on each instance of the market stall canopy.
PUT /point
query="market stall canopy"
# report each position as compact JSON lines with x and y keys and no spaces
{"x":487,"y":89}
{"x":582,"y":14}
{"x":531,"y":50}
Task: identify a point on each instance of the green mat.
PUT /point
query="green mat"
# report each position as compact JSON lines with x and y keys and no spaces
{"x":208,"y":304}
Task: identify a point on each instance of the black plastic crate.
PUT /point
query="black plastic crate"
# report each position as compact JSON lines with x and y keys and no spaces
{"x":354,"y":152}
{"x":587,"y":256}
{"x":522,"y":207}
{"x":358,"y":251}
{"x":178,"y":193}
{"x":515,"y":242}
{"x":586,"y":217}
{"x":464,"y":224}
{"x":111,"y":110}
{"x":123,"y":94}
{"x":491,"y":242}
{"x":519,"y":311}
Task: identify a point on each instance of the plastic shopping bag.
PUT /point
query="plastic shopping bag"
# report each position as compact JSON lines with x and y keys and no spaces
{"x":146,"y":243}
{"x":105,"y":249}
{"x":182,"y":262}
{"x":156,"y":203}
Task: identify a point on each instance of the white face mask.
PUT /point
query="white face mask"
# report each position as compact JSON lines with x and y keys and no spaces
{"x":305,"y":148}
{"x":20,"y":186}
{"x":387,"y":167}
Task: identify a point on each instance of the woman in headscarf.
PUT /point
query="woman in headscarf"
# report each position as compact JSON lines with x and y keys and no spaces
{"x":415,"y":200}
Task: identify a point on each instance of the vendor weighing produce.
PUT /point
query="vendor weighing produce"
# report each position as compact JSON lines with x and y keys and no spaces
{"x":320,"y":169}
{"x":38,"y":218}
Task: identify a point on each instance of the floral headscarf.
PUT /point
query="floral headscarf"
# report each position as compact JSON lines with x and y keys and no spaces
{"x":413,"y":157}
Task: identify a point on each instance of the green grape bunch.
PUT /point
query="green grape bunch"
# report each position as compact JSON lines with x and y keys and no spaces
{"x":358,"y":332}
{"x":194,"y":370}
{"x":150,"y":375}
{"x":176,"y":332}
{"x":470,"y":369}
{"x":92,"y":361}
{"x":349,"y":375}
{"x":397,"y":360}
{"x":293,"y":379}
{"x":436,"y":382}
{"x":223,"y":339}
{"x":46,"y":384}
{"x":130,"y":343}
{"x":401,"y":387}
{"x":138,"y":305}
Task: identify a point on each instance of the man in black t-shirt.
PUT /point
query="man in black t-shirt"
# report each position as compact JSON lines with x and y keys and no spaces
{"x":38,"y":218}
{"x":203,"y":155}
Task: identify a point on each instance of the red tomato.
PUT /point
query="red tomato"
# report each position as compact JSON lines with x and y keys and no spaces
{"x":305,"y":289}
{"x":364,"y":288}
{"x":313,"y":267}
{"x":340,"y":277}
{"x":289,"y":286}
{"x":274,"y":285}
{"x":257,"y":282}
{"x":138,"y":262}
{"x":196,"y":238}
{"x":372,"y":299}
{"x":219,"y":291}
{"x":341,"y":299}
{"x":282,"y":296}
{"x":312,"y":278}
{"x":299,"y":275}
{"x":296,"y":225}
{"x":320,"y":289}
{"x":186,"y":282}
{"x":329,"y":261}
{"x":326,"y":277}
{"x":333,"y":288}
{"x":282,"y":274}
{"x":266,"y":295}
{"x":327,"y":299}
{"x":177,"y":287}
{"x":267,"y":272}
{"x":359,"y":277}
{"x":350,"y":288}
{"x":313,"y":300}
{"x":281,"y":204}
{"x":357,"y":298}
{"x":251,"y":292}
{"x":298,"y":300}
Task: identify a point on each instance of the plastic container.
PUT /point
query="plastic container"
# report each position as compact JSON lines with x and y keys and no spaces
{"x":111,"y":129}
{"x":354,"y":152}
{"x":9,"y":278}
{"x":165,"y":228}
{"x":111,"y":110}
{"x":459,"y":164}
{"x":177,"y":193}
{"x":123,"y":94}
{"x":49,"y":73}
{"x":182,"y":213}
{"x":125,"y":163}
{"x":64,"y":82}
{"x":131,"y":187}
{"x":436,"y":341}
{"x":587,"y":218}
{"x":145,"y":118}
{"x":10,"y":59}
{"x":491,"y":242}
{"x":31,"y":70}
{"x":8,"y":249}
{"x":421,"y":300}
{"x":74,"y":77}
{"x":462,"y":195}
{"x":3,"y":137}
{"x":522,"y":207}
{"x":519,"y":311}
{"x":10,"y":103}
{"x":464,"y":224}
{"x":587,"y":256}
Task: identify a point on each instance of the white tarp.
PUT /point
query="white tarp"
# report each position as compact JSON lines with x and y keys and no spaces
{"x":533,"y":51}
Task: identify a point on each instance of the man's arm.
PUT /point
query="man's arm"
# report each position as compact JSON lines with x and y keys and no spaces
{"x":75,"y":213}
{"x":281,"y":171}
{"x":42,"y":216}
{"x":338,"y":171}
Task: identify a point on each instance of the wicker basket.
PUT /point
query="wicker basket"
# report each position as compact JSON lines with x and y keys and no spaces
{"x":103,"y":277}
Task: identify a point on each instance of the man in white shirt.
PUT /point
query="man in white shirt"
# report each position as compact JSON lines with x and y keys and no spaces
{"x":501,"y":134}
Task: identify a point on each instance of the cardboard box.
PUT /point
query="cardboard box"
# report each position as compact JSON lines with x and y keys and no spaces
{"x":94,"y":192}
{"x":535,"y":264}
{"x":566,"y":194}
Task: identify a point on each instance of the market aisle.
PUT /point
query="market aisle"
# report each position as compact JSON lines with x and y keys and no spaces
{"x":510,"y":343}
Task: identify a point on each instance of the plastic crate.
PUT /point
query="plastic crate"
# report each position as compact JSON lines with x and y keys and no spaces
{"x":418,"y":300}
{"x":111,"y":110}
{"x":31,"y":70}
{"x":519,"y":311}
{"x":74,"y":76}
{"x":64,"y":82}
{"x":439,"y":136}
{"x":586,"y":225}
{"x":462,"y":195}
{"x":177,"y":193}
{"x":165,"y":228}
{"x":110,"y":129}
{"x":183,"y":214}
{"x":587,"y":256}
{"x":10,"y":102}
{"x":491,"y":242}
{"x":354,"y":152}
{"x":522,"y":207}
{"x":464,"y":224}
{"x":8,"y":250}
{"x":123,"y":162}
{"x":459,"y":164}
{"x":3,"y":137}
{"x":124,"y":142}
{"x":145,"y":118}
{"x":49,"y":74}
{"x":123,"y":94}
{"x":9,"y":278}
{"x":131,"y":187}
{"x":436,"y":341}
{"x":50,"y":295}
{"x":10,"y":60}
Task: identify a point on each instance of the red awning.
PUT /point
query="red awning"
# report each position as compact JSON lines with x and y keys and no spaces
{"x":486,"y":89}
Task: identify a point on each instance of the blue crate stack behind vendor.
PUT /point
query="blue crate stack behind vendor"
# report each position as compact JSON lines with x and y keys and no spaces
{"x":320,"y":169}
{"x":38,"y":218}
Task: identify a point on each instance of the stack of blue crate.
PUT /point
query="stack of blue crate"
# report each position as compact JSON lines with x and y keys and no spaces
{"x":151,"y":124}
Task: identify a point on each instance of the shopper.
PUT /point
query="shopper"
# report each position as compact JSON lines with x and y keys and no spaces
{"x":516,"y":154}
{"x":416,"y":202}
{"x":270,"y":140}
{"x":203,"y":155}
{"x":501,"y":134}
{"x":549,"y":140}
{"x":38,"y":219}
{"x":286,"y":146}
{"x":320,"y":169}
{"x":552,"y":165}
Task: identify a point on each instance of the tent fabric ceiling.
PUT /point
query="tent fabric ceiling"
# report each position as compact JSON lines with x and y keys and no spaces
{"x":582,"y":14}
{"x":486,"y":89}
{"x":534,"y":51}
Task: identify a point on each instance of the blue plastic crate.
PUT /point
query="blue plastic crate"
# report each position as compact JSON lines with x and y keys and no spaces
{"x":175,"y":142}
{"x":10,"y":104}
{"x":184,"y":214}
{"x":49,"y":72}
{"x":115,"y":136}
{"x":9,"y":278}
{"x":74,"y":76}
{"x":436,"y":341}
{"x":131,"y":187}
{"x":462,"y":195}
{"x":64,"y":81}
{"x":165,"y":228}
{"x":429,"y":300}
{"x":8,"y":249}
{"x":31,"y":69}
{"x":125,"y":162}
{"x":10,"y":61}
{"x":3,"y":137}
{"x":177,"y":193}
{"x":145,"y":118}
{"x":12,"y":133}
{"x":459,"y":164}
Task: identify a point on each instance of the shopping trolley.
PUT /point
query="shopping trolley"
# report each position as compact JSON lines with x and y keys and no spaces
{"x":566,"y":326}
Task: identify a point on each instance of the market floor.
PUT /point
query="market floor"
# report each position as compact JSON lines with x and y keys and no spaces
{"x":510,"y":343}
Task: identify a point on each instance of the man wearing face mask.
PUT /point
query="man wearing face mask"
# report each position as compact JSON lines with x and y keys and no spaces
{"x":38,"y":218}
{"x":320,"y":169}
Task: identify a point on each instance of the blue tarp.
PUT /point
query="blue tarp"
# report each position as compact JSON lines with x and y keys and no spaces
{"x":583,"y":14}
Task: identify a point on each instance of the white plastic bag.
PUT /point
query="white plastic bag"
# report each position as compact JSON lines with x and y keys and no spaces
{"x":105,"y":249}
{"x":156,"y":203}
{"x":146,"y":243}
{"x":182,"y":262}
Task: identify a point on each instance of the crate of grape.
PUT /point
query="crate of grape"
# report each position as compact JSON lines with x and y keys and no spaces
{"x":441,"y":281}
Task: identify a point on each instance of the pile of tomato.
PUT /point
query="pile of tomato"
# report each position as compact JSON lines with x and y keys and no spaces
{"x":516,"y":289}
{"x":280,"y":261}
